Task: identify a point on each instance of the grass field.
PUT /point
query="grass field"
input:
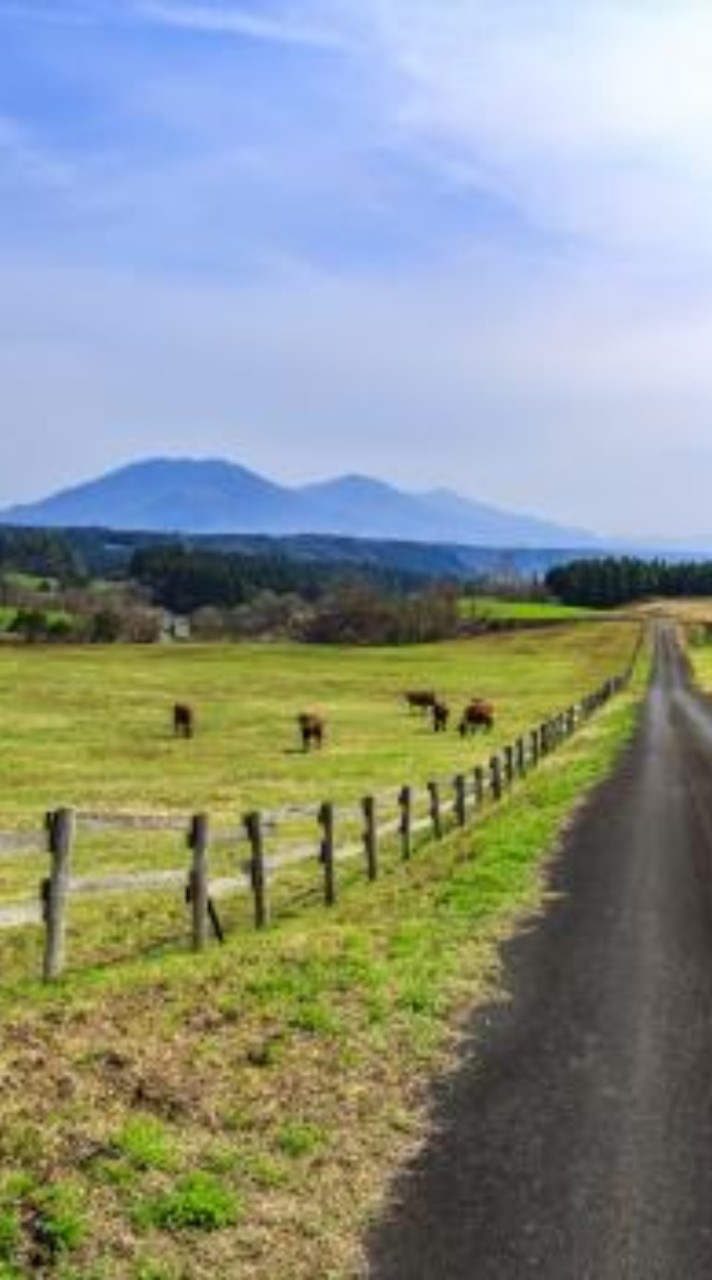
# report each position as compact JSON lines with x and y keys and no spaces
{"x":90,"y":726}
{"x":176,"y":1119}
{"x":523,"y":610}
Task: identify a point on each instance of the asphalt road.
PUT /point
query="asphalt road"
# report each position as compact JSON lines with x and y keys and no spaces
{"x":575,"y":1143}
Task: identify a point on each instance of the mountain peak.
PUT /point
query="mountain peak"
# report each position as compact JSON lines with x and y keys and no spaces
{"x":212,"y":495}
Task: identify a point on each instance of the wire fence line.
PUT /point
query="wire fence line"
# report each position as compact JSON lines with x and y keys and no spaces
{"x":335,"y":834}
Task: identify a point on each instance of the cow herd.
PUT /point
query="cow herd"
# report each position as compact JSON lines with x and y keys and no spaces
{"x":477,"y":714}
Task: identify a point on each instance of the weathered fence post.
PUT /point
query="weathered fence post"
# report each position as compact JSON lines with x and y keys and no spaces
{"x":326,"y":852}
{"x":479,"y":776}
{"x":460,"y":800}
{"x":198,"y":839}
{"x":55,"y":890}
{"x":258,"y":874}
{"x":509,"y":765}
{"x":405,"y":801}
{"x":572,"y":720}
{"x":534,"y":739}
{"x":496,"y":777}
{"x":370,"y":836}
{"x":435,"y":813}
{"x":521,"y":757}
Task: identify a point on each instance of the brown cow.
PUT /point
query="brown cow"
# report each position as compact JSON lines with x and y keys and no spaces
{"x":478,"y":714}
{"x":420,"y":699}
{"x":312,"y":730}
{"x":441,"y":715}
{"x":183,"y":720}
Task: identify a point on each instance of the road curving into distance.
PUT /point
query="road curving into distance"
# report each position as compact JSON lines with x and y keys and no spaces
{"x":575,"y":1142}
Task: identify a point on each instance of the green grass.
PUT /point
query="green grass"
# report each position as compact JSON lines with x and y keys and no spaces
{"x":523,"y":610}
{"x":90,"y":726}
{"x":700,"y":655}
{"x":258,"y":1098}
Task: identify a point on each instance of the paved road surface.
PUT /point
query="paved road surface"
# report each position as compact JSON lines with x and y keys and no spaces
{"x":576,"y":1141}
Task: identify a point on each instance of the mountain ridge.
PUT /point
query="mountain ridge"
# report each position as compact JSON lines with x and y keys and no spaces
{"x":214,"y":496}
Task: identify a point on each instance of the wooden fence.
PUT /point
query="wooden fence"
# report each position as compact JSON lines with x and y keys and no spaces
{"x":397,"y":817}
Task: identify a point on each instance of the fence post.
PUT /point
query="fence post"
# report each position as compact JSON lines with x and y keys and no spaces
{"x":496,"y":780}
{"x":479,"y":776}
{"x":198,"y":839}
{"x":370,"y":836}
{"x":521,"y":757}
{"x":55,"y":889}
{"x":534,"y":738}
{"x":405,"y":801}
{"x":460,"y":800}
{"x":326,"y":852}
{"x":258,"y":875}
{"x":509,"y":765}
{"x":435,"y":815}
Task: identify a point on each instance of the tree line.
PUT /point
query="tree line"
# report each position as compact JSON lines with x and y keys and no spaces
{"x":615,"y":580}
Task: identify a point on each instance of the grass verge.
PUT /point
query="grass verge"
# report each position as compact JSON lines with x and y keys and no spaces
{"x":242,"y":1114}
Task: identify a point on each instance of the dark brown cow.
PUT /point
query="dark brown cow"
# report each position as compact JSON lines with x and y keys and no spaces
{"x":441,"y":715}
{"x":478,"y":714}
{"x":312,"y":730}
{"x":420,"y":699}
{"x":183,"y":720}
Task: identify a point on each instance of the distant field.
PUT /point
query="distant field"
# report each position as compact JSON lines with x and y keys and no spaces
{"x":524,"y":610}
{"x":692,"y":609}
{"x":90,"y":726}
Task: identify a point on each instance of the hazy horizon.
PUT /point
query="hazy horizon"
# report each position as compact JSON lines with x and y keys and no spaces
{"x":464,"y":247}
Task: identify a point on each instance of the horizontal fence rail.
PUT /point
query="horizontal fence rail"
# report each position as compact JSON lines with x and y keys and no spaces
{"x":336,"y":834}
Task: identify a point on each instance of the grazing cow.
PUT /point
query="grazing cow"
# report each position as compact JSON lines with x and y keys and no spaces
{"x":183,"y":720}
{"x":420,"y":699}
{"x":312,"y":730}
{"x":441,"y":715}
{"x":478,"y":714}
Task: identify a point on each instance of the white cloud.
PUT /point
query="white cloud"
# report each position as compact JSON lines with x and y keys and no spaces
{"x":594,"y":116}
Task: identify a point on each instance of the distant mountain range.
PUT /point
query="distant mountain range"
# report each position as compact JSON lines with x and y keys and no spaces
{"x":189,"y":496}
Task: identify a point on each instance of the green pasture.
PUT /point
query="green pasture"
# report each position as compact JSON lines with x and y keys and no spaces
{"x":90,"y":727}
{"x":522,"y":610}
{"x":241,"y":1113}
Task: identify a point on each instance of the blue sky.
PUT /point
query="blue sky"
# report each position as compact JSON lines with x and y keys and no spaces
{"x":465,"y":244}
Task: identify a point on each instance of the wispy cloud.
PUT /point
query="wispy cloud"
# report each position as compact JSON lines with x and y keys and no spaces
{"x":595,"y":116}
{"x":287,"y":27}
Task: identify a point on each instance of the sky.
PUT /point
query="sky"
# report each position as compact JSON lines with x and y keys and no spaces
{"x":444,"y":242}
